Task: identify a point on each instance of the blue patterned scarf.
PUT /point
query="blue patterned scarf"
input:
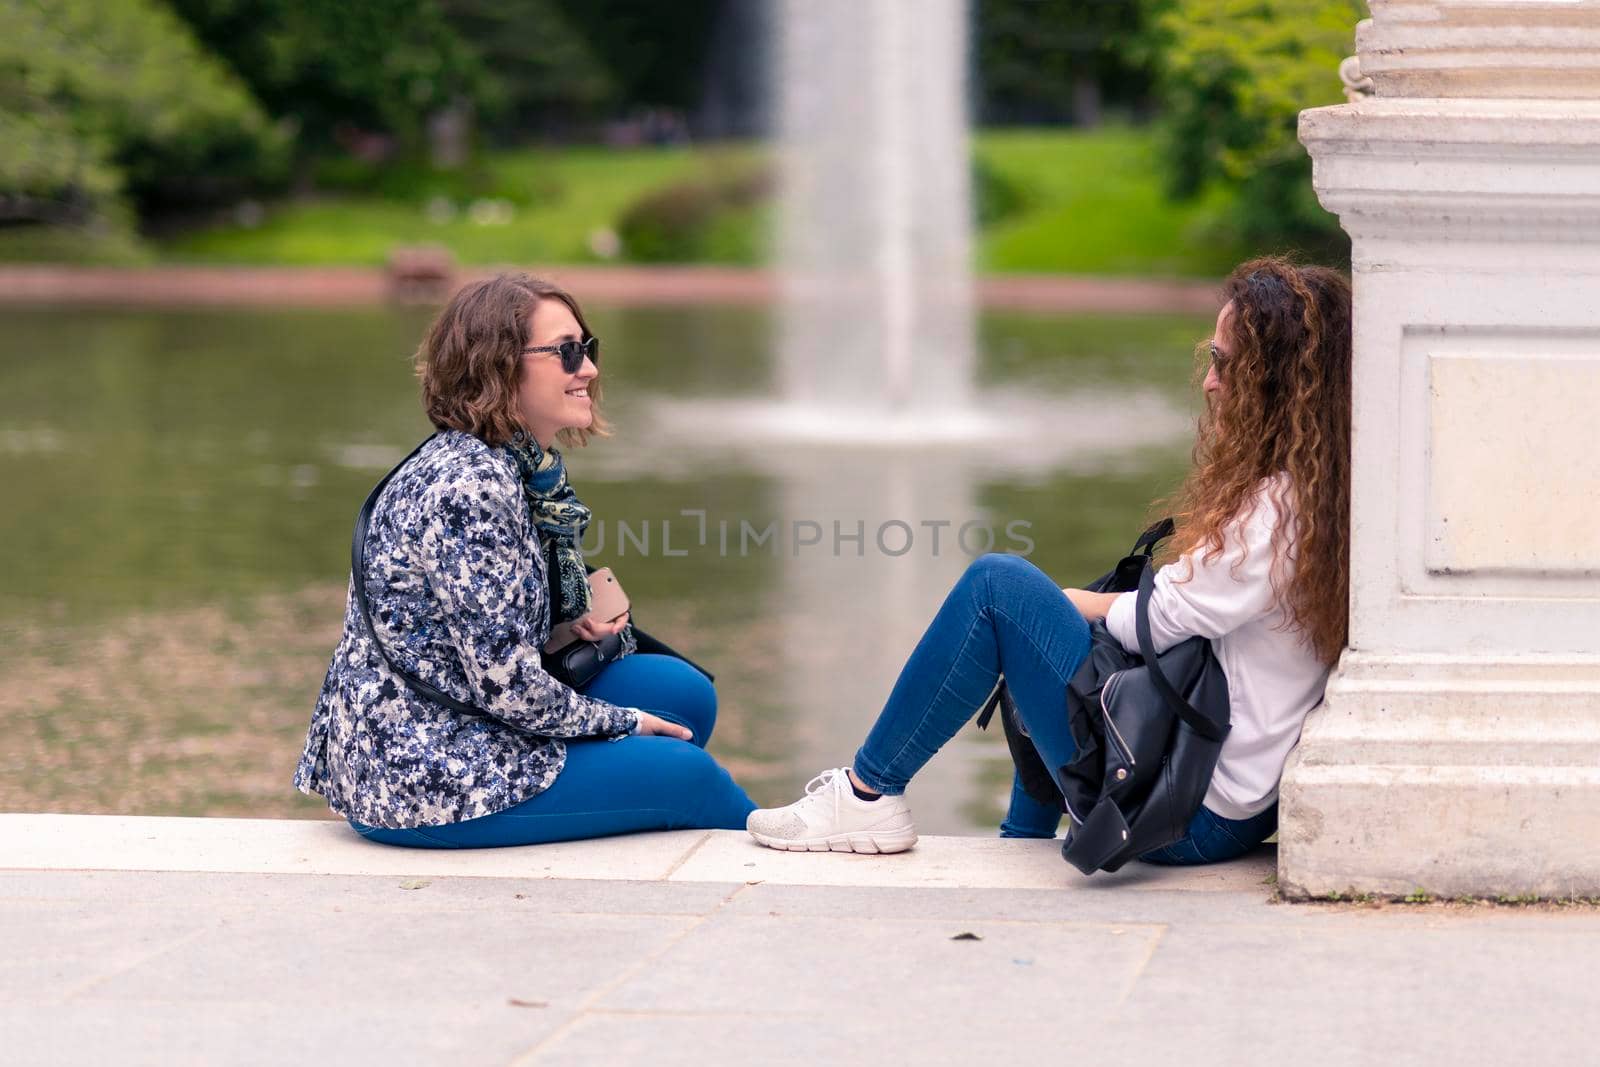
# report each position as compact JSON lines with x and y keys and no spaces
{"x":561,"y":518}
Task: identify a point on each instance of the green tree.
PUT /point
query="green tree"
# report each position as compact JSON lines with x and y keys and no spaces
{"x":1050,"y":61}
{"x":1234,"y":76}
{"x":101,"y":98}
{"x":543,"y":73}
{"x":560,"y":68}
{"x":655,"y":51}
{"x":378,"y":66}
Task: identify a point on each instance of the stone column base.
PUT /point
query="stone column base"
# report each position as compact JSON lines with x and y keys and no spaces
{"x":1449,"y":776}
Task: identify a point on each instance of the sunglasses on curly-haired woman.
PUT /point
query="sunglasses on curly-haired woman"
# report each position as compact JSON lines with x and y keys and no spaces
{"x":572,"y":353}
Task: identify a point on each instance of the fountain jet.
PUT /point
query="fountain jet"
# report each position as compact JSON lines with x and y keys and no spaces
{"x":875,"y":222}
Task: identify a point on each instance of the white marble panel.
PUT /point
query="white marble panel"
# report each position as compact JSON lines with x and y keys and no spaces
{"x":1512,"y":469}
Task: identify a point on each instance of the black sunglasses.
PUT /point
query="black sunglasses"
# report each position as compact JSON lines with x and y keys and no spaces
{"x":572,"y":353}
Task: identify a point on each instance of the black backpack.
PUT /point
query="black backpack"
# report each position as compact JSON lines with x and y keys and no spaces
{"x":1148,"y":730}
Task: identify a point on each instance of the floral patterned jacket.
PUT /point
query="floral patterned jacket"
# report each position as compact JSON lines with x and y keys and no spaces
{"x":457,"y":587}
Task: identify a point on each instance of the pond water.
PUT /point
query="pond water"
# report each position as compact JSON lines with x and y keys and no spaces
{"x":180,"y":486}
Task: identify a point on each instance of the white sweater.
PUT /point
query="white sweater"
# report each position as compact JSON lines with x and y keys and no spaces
{"x":1274,"y":678}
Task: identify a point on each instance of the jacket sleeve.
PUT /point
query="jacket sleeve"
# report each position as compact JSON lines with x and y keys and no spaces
{"x":477,"y":566}
{"x":1222,"y":595}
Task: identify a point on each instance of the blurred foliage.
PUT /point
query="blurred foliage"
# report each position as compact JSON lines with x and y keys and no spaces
{"x":1234,"y":77}
{"x":655,"y":52}
{"x":52,"y":171}
{"x":1073,"y":201}
{"x":997,"y":195}
{"x":116,"y":110}
{"x":100,"y":241}
{"x":101,"y":99}
{"x":345,"y":68}
{"x":560,"y":199}
{"x":544,"y":73}
{"x":678,"y":224}
{"x":1054,"y":61}
{"x":524,"y":66}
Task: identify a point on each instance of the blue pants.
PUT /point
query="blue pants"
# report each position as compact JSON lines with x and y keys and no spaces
{"x":616,"y":786}
{"x":1211,"y":838}
{"x":1005,"y":616}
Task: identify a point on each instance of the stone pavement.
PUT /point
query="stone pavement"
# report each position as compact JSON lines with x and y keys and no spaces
{"x":218,"y":941}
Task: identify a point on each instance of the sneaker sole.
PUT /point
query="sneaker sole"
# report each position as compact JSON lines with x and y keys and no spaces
{"x":866,"y":844}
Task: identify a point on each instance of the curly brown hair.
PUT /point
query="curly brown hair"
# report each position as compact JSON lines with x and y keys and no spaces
{"x":1284,"y":409}
{"x":470,"y":361}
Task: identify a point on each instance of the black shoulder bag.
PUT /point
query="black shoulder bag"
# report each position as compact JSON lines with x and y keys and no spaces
{"x":1148,"y":730}
{"x":575,"y":667}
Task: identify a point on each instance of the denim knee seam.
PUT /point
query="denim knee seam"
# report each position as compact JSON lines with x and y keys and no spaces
{"x":1063,"y":679}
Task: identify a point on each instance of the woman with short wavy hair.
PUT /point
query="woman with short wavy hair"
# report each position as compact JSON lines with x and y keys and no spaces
{"x":471,"y":555}
{"x":1262,"y":569}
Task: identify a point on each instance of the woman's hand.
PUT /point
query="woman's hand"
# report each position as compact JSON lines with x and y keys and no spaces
{"x":655,"y":726}
{"x":1092,"y":606}
{"x":593,"y":629}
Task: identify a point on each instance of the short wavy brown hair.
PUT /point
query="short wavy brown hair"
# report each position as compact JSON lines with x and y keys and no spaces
{"x":470,"y":361}
{"x":1284,"y":409}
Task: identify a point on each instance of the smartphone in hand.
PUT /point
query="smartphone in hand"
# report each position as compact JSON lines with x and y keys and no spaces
{"x":607,"y":602}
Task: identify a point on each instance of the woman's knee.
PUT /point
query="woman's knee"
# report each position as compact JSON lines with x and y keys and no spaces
{"x":689,"y":697}
{"x":664,"y":685}
{"x":994,"y":571}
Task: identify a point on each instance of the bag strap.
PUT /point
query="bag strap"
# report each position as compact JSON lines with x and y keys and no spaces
{"x":358,"y":552}
{"x":1153,"y":536}
{"x":1143,"y":551}
{"x":1175,"y":700}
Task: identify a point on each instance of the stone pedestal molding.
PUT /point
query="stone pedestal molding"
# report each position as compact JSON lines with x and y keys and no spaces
{"x":1481,"y":49}
{"x":1458,"y":750}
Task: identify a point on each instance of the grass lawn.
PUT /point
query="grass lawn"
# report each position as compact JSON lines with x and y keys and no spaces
{"x":565,"y":196}
{"x":1093,"y":204}
{"x":1088,"y":202}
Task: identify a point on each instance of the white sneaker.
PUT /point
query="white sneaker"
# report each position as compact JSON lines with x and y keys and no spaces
{"x":831,"y":818}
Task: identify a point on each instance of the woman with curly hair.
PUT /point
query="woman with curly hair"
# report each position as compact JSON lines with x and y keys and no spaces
{"x":1261,"y":568}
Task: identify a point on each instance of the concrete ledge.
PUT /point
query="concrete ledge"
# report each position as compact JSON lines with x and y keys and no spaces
{"x":314,"y":846}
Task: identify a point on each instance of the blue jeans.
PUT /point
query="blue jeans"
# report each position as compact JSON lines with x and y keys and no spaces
{"x":1212,"y":839}
{"x":615,"y":786}
{"x":1006,"y":616}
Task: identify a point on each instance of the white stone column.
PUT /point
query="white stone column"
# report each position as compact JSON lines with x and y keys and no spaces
{"x":1458,"y":751}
